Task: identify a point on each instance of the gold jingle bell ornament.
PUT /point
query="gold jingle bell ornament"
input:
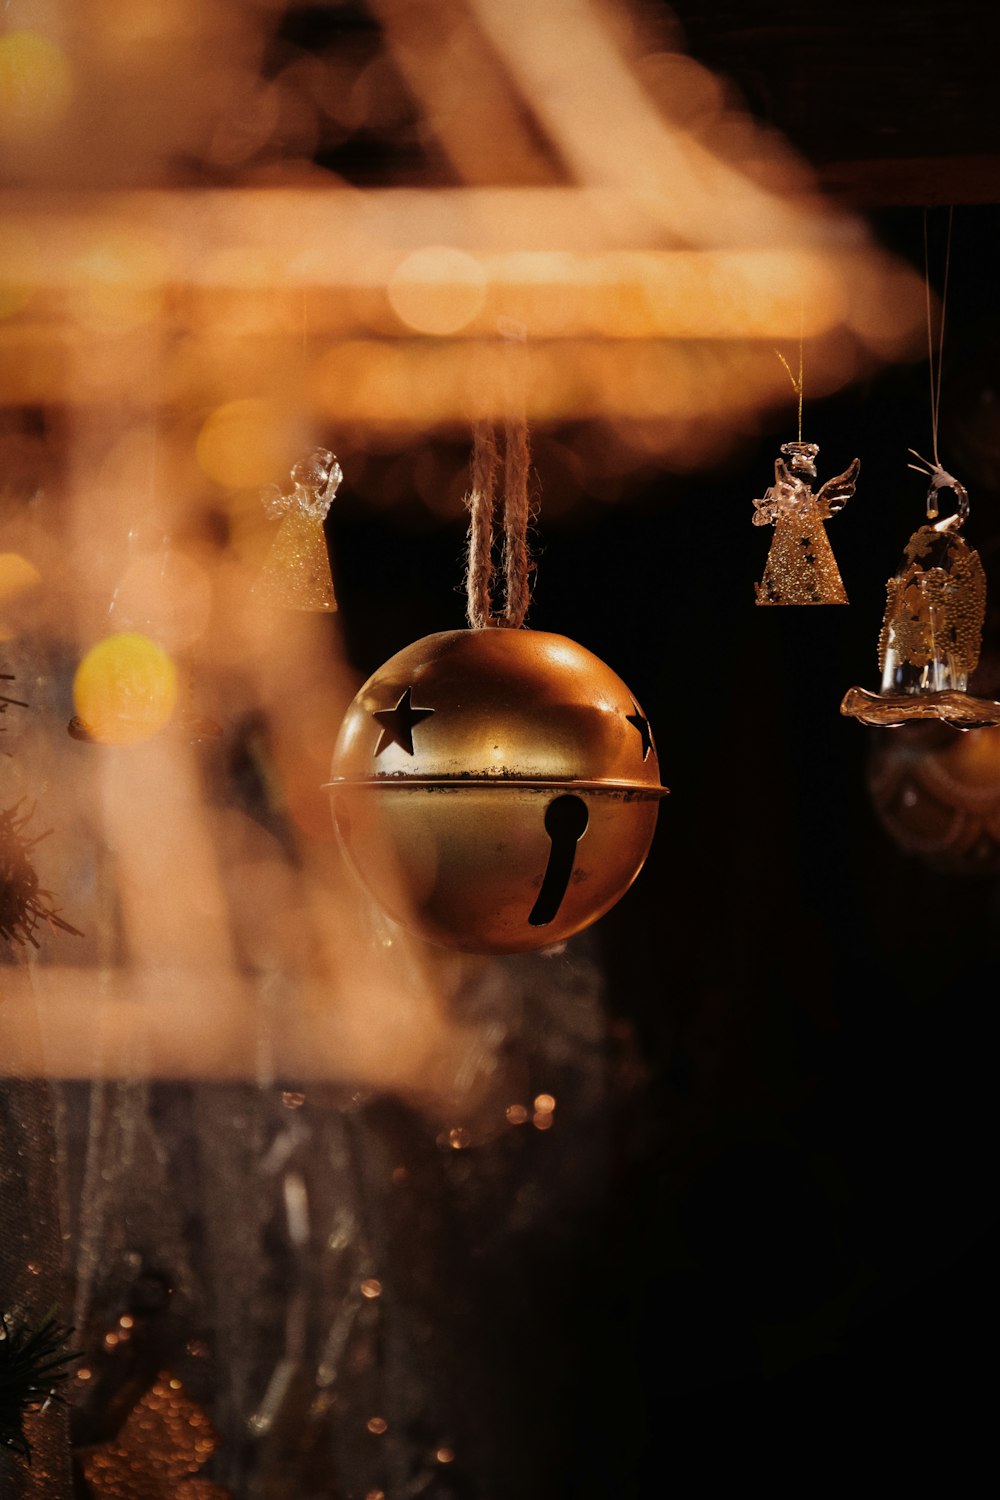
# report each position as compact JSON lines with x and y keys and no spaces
{"x":495,"y":790}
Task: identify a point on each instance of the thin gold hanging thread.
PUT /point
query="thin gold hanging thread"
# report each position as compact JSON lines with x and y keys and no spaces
{"x":797,"y":384}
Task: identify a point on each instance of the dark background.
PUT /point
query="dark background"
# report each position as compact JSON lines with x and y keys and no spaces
{"x":798,"y":1239}
{"x":793,"y":1263}
{"x":771,"y":1248}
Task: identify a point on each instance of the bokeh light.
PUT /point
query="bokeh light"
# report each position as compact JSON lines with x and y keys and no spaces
{"x":248,"y":442}
{"x":35,"y":84}
{"x":437,"y":289}
{"x":125,"y":689}
{"x":120,"y":274}
{"x":168,"y":594}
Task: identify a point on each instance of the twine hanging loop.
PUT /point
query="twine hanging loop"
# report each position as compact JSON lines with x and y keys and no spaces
{"x":482,"y":504}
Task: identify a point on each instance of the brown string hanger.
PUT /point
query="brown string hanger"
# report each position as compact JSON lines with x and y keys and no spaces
{"x":482,"y":609}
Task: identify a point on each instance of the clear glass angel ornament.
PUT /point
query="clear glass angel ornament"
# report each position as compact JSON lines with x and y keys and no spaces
{"x":296,"y":571}
{"x":801,"y":567}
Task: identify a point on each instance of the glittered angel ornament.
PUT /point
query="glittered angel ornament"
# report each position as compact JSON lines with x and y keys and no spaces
{"x":801,"y":568}
{"x":932,"y":628}
{"x":296,"y":571}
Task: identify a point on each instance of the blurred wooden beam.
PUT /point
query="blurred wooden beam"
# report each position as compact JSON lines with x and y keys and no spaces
{"x":486,"y":132}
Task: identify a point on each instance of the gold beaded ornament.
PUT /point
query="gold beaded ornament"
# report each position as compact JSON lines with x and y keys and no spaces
{"x":932,"y":629}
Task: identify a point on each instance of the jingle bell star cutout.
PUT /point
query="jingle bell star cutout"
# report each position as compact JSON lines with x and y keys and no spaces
{"x":639,"y":721}
{"x":398,"y":724}
{"x":516,"y":819}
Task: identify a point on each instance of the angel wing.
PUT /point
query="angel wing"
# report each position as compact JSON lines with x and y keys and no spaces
{"x":835,"y":493}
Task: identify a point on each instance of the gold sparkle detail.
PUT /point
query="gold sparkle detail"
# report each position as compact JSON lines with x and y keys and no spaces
{"x":166,"y":1439}
{"x":296,"y":571}
{"x":801,"y":567}
{"x":930,"y":610}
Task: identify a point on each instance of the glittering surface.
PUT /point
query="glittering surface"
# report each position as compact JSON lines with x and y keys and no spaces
{"x":935,"y":604}
{"x":165,"y":1440}
{"x":930,"y":638}
{"x":801,"y":568}
{"x":296,"y":572}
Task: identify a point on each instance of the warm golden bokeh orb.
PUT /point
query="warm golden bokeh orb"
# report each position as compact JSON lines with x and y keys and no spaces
{"x":125,"y":689}
{"x":17,"y":575}
{"x":35,"y":84}
{"x":248,"y":442}
{"x":437,"y":290}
